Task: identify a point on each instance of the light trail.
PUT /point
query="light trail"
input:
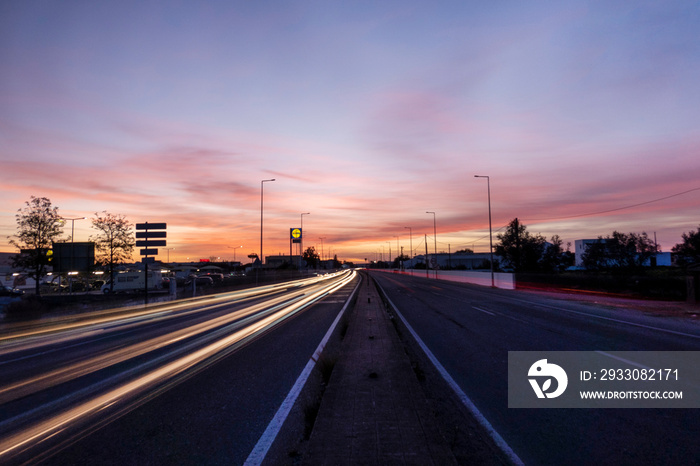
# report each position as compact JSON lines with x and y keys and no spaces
{"x":216,"y":338}
{"x":71,"y":328}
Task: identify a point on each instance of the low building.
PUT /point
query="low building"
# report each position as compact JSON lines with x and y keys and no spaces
{"x":580,"y":248}
{"x":273,"y":262}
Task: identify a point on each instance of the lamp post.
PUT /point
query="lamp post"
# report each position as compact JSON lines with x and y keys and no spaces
{"x":72,"y":249}
{"x":398,"y":252}
{"x":301,"y":239}
{"x":168,"y":249}
{"x":261,"y":220}
{"x":321,"y":247}
{"x":434,"y":240}
{"x":488,"y":186}
{"x":234,"y":251}
{"x":410,"y":238}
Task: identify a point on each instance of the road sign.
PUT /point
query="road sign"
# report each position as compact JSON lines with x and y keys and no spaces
{"x":295,"y":236}
{"x":151,"y":226}
{"x":149,"y":243}
{"x":148,"y":260}
{"x":148,"y":235}
{"x":151,"y":234}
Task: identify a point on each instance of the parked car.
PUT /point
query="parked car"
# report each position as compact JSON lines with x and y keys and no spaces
{"x":217,"y":277}
{"x":11,"y":292}
{"x":201,"y":280}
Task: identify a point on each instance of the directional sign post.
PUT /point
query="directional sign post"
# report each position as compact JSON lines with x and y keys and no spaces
{"x":146,"y":232}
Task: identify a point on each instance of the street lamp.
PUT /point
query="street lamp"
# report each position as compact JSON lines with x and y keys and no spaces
{"x":488,"y":186}
{"x":234,"y":251}
{"x":72,"y":248}
{"x":410,"y":238}
{"x":321,"y":247}
{"x":261,"y":219}
{"x":301,"y":239}
{"x":398,"y":251}
{"x":168,"y":249}
{"x":434,"y":239}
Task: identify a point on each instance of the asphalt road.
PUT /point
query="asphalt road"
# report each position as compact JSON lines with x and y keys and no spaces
{"x":470,"y":330}
{"x":190,"y":383}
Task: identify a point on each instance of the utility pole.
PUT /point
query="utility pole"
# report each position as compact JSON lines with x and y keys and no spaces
{"x":427,"y":270}
{"x":488,"y":187}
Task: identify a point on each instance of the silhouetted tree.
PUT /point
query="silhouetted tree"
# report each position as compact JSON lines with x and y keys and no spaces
{"x":311,"y":257}
{"x":398,"y":260}
{"x":519,"y":249}
{"x":688,"y":252}
{"x":38,"y":226}
{"x":554,"y":258}
{"x":114,"y":242}
{"x":619,"y":252}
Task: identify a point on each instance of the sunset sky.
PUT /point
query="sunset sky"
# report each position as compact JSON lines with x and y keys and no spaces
{"x":585,"y":115}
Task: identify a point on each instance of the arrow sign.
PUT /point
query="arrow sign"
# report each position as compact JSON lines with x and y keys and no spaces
{"x":151,"y":234}
{"x":151,"y":226}
{"x":149,"y":243}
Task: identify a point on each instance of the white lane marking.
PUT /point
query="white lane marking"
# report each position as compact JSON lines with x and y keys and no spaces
{"x":609,"y":318}
{"x":257,"y":456}
{"x":483,"y":310}
{"x":641,"y":366}
{"x":495,"y":436}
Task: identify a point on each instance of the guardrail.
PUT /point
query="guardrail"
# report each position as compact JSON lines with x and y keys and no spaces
{"x":501,"y":280}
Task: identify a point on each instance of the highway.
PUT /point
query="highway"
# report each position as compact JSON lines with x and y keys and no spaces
{"x":64,"y":380}
{"x":470,"y":330}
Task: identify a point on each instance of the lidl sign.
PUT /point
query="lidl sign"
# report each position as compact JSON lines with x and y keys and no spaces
{"x":295,"y":234}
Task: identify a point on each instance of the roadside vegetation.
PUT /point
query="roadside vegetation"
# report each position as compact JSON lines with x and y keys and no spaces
{"x":617,"y":263}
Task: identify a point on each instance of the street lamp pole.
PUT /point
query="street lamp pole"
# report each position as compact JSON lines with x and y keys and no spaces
{"x":234,"y":251}
{"x":398,"y":252}
{"x":301,"y":239}
{"x":488,"y":186}
{"x":434,"y":240}
{"x":410,"y":238}
{"x":72,"y":249}
{"x":168,"y":249}
{"x":321,"y":247}
{"x":261,"y":219}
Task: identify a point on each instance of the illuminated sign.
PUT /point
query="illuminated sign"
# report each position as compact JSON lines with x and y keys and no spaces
{"x":295,"y":235}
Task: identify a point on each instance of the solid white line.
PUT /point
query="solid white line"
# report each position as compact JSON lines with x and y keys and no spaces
{"x":257,"y":455}
{"x":495,"y":436}
{"x":641,"y":366}
{"x":483,"y":310}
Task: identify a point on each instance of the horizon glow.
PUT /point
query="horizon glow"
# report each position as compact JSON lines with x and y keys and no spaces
{"x":366,"y":115}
